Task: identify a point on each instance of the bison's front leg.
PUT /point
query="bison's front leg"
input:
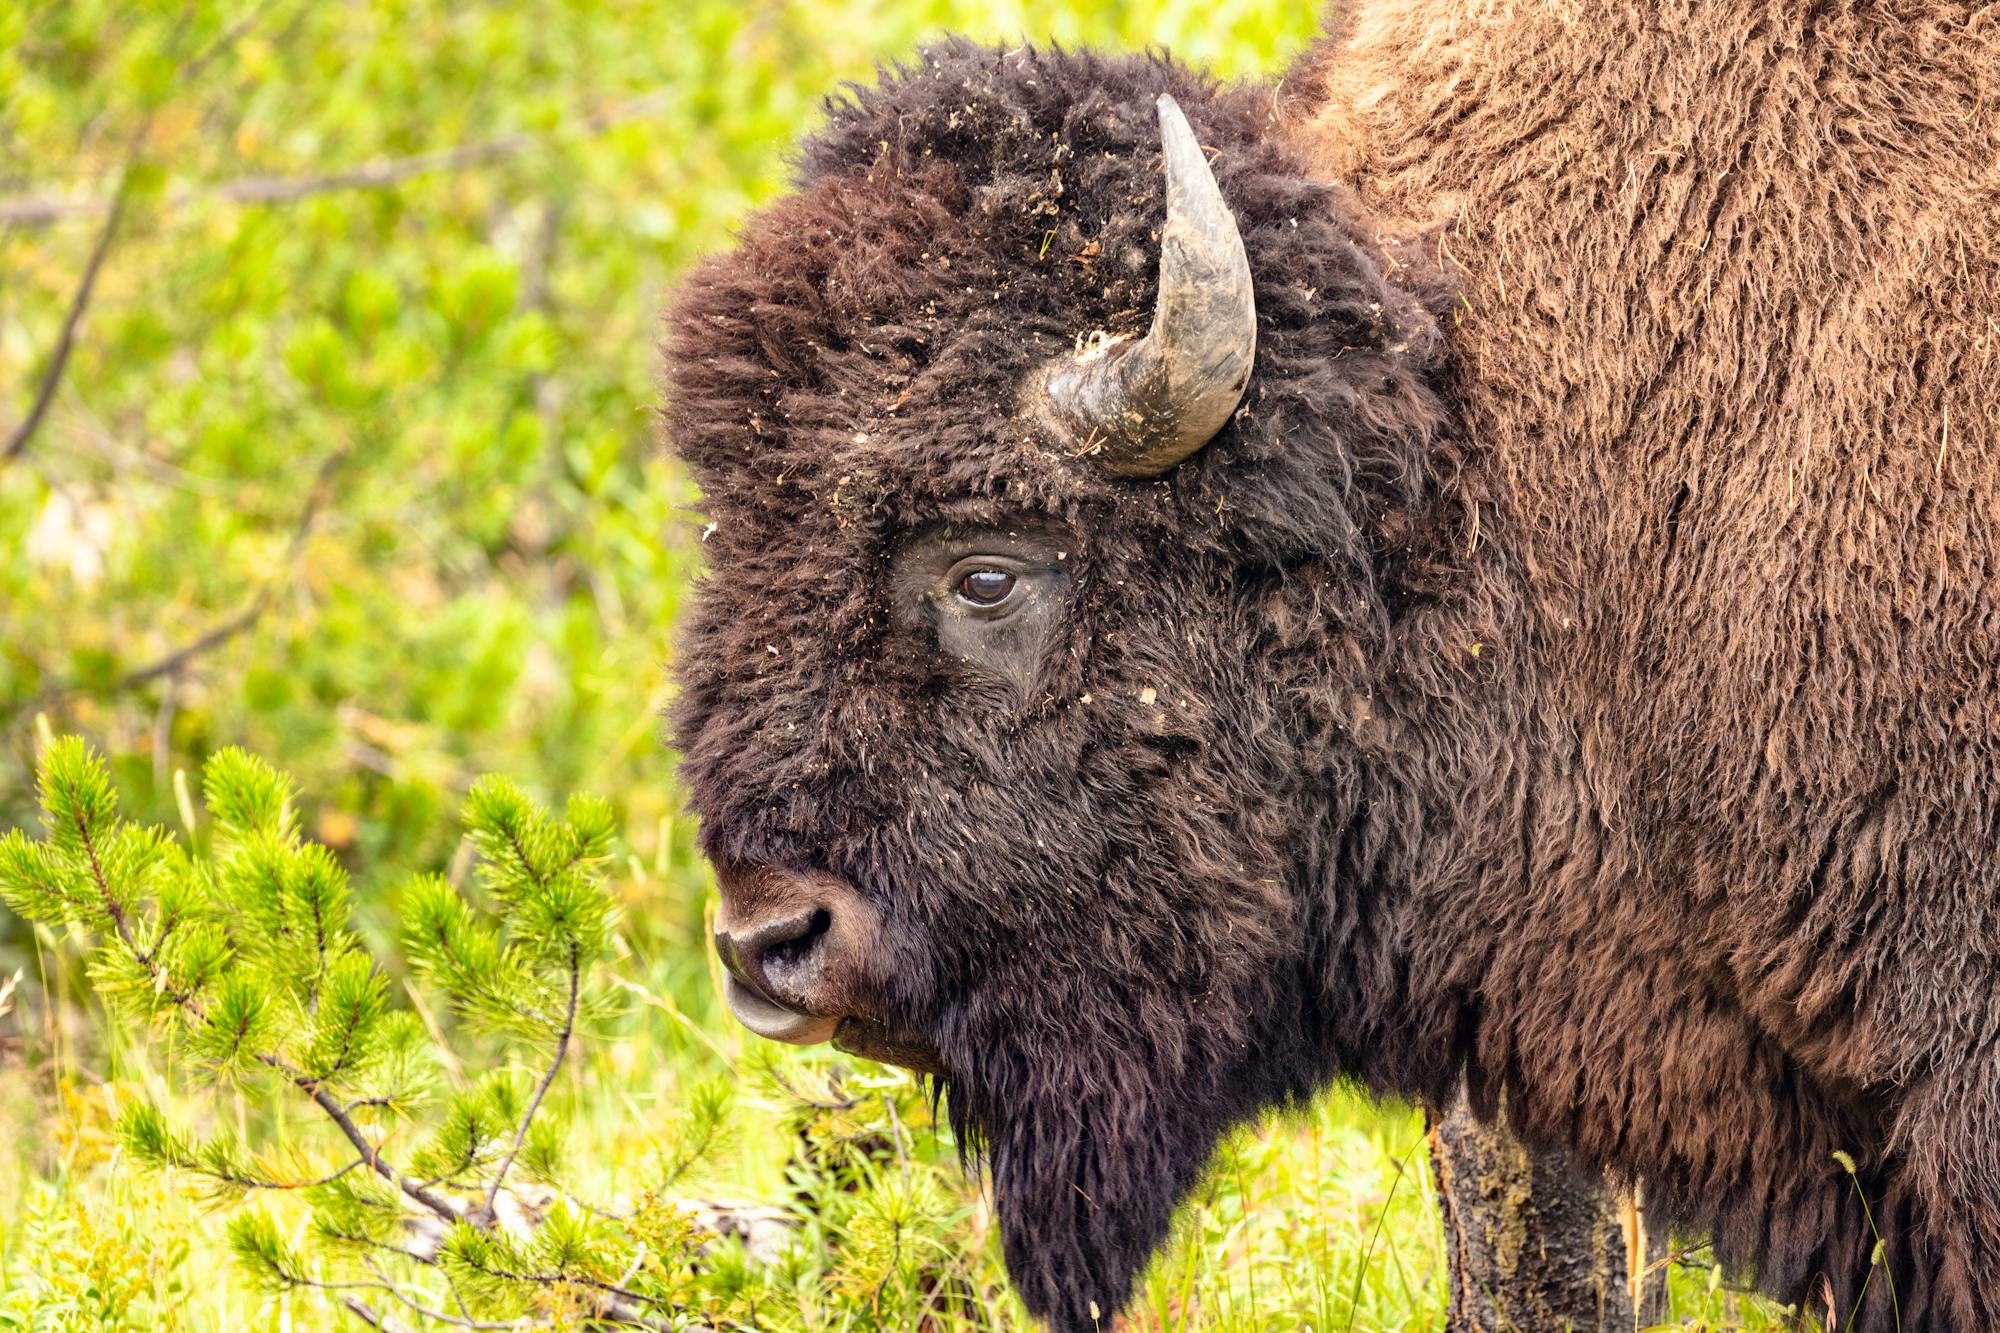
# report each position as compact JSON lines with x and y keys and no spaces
{"x":1532,"y":1240}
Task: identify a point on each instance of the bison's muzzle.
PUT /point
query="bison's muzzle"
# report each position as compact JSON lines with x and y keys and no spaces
{"x":797,"y":945}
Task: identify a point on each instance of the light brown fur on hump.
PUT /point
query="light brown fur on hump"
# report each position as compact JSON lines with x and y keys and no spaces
{"x":1729,"y":362}
{"x":1730,"y":350}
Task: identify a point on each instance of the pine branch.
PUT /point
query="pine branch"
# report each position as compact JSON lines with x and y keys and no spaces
{"x":451,"y":1177}
{"x":231,"y":947}
{"x":256,"y":1183}
{"x":323,"y":1180}
{"x":254,"y":1238}
{"x":146,"y":1135}
{"x":626,"y":1316}
{"x":147,"y":959}
{"x":362,"y":1239}
{"x":541,"y":1089}
{"x":369,"y":1152}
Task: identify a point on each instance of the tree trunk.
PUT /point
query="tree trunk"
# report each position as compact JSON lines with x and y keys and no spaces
{"x":1534,"y":1244}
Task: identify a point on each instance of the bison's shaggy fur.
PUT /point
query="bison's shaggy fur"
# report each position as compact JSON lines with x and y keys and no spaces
{"x":1730,"y":344}
{"x":1639,"y":763}
{"x":1130,"y":912}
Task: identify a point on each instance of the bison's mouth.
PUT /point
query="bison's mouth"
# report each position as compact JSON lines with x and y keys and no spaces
{"x":767,"y":1018}
{"x":865,"y":1037}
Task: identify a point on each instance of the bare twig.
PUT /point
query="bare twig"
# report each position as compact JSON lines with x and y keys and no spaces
{"x":360,"y":1102}
{"x":213,"y":637}
{"x":361,"y":1239}
{"x":586,"y":1206}
{"x":114,"y":211}
{"x":623,"y":1316}
{"x":172,"y":662}
{"x":52,"y":373}
{"x":555,"y":1064}
{"x":402,"y":1298}
{"x":366,"y":1314}
{"x":194,"y":68}
{"x":43,"y":210}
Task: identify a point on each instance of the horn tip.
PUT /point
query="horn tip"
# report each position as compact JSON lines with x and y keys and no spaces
{"x":1184,"y":159}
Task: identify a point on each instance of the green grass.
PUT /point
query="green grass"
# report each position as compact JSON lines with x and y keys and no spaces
{"x":365,"y":479}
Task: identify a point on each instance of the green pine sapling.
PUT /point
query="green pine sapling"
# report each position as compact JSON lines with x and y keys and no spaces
{"x":245,"y":960}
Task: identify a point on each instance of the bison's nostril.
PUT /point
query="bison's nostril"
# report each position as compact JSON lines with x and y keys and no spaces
{"x":771,"y":956}
{"x":791,"y":952}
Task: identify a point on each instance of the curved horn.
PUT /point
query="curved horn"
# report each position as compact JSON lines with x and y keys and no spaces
{"x":1144,"y":406}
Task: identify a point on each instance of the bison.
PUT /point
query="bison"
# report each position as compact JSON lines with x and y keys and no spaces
{"x":1474,"y":563}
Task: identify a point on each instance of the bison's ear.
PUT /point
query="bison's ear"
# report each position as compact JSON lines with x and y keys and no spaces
{"x":1144,"y":406}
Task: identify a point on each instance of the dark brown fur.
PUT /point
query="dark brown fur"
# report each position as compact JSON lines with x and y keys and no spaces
{"x":1730,"y":344}
{"x":1640,"y":761}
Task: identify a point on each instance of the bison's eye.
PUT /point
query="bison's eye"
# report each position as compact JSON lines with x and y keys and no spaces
{"x":992,"y":597}
{"x":987,"y":587}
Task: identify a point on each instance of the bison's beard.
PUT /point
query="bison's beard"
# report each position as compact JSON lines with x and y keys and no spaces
{"x":1098,"y":1110}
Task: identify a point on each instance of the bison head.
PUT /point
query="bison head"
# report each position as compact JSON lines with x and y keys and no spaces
{"x":1030,"y":702}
